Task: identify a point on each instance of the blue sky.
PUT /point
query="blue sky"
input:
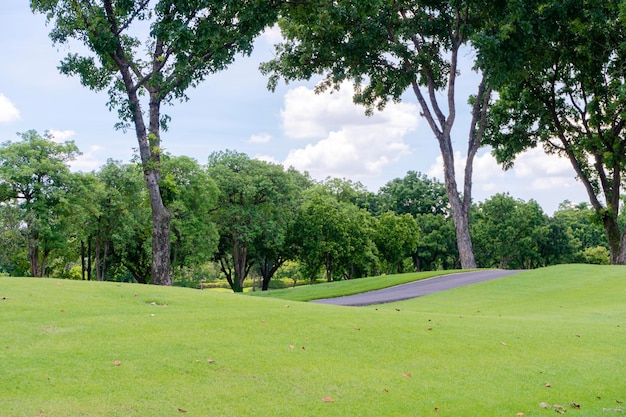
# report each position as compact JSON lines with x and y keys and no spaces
{"x":325,"y":134}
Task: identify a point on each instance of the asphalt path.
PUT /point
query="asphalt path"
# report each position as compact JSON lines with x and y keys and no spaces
{"x":417,"y":288}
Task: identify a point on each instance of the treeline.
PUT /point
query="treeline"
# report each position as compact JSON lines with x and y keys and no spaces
{"x":235,"y":217}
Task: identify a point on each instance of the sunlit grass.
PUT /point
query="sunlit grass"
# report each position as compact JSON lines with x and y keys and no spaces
{"x":483,"y":350}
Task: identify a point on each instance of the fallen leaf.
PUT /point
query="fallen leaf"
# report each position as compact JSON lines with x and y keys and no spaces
{"x":503,"y":343}
{"x":286,"y":305}
{"x":357,"y":328}
{"x":328,"y":399}
{"x":548,"y":385}
{"x":429,"y":328}
{"x":559,"y":409}
{"x":117,"y":363}
{"x":436,"y":409}
{"x":406,"y":374}
{"x":574,"y":405}
{"x":291,"y":346}
{"x":544,"y":405}
{"x":180,"y":410}
{"x":519,"y":414}
{"x":385,"y":389}
{"x":210,"y":360}
{"x":4,"y":297}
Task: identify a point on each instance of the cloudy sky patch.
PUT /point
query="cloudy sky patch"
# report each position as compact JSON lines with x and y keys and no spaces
{"x":8,"y":111}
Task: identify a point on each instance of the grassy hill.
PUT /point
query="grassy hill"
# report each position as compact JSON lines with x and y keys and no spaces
{"x":554,"y":336}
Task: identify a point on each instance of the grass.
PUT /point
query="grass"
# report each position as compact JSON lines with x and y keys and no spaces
{"x":484,"y":350}
{"x":349,"y":287}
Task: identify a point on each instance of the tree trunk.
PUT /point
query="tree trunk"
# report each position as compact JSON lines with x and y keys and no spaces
{"x":240,"y":259}
{"x":150,"y":152}
{"x":441,"y":125}
{"x":82,"y":259}
{"x":89,"y":258}
{"x":33,"y":257}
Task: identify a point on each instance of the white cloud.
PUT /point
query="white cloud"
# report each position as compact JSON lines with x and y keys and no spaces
{"x":536,"y":175}
{"x":88,"y":161}
{"x":343,"y":141}
{"x":266,"y":158}
{"x":8,"y":111}
{"x":535,"y":162}
{"x":486,"y":169}
{"x":272,"y":35}
{"x":260,"y":138}
{"x":61,"y":135}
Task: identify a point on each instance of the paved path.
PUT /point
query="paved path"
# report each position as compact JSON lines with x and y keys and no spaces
{"x":417,"y":288}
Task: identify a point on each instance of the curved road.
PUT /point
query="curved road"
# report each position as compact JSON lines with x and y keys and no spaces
{"x":417,"y":288}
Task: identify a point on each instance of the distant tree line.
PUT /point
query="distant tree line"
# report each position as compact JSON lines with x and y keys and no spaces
{"x":235,"y":218}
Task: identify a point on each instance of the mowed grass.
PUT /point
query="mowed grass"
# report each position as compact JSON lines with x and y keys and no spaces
{"x":483,"y":350}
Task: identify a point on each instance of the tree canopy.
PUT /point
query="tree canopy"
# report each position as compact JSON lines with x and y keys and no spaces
{"x":386,"y":48}
{"x":560,"y":71}
{"x":148,"y":53}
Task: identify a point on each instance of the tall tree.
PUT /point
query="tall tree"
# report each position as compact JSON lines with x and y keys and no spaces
{"x":387,"y":48}
{"x":250,"y":207}
{"x":191,"y":195}
{"x":185,"y":42}
{"x":396,"y":237}
{"x":414,"y":194}
{"x":35,"y":177}
{"x":508,"y":232}
{"x":560,"y":71}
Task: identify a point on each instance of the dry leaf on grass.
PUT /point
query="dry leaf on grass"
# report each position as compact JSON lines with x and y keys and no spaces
{"x":328,"y":400}
{"x":117,"y":363}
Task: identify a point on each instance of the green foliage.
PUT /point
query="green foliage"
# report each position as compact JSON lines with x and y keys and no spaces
{"x":436,"y":248}
{"x":334,"y":236}
{"x":396,"y":237}
{"x":598,"y":255}
{"x":507,"y":232}
{"x":559,"y":71}
{"x":37,"y":182}
{"x":185,"y":41}
{"x":415,"y":194}
{"x":254,"y":210}
{"x":191,"y":196}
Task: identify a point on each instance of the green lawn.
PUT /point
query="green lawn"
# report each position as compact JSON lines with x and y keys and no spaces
{"x":484,"y":350}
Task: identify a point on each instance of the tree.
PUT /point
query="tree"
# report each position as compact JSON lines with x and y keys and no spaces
{"x":191,"y":195}
{"x":332,"y":235}
{"x":386,"y":48}
{"x":508,"y":232}
{"x":396,"y":237}
{"x":414,"y":194}
{"x":251,"y":206}
{"x":436,"y":248}
{"x":35,"y":178}
{"x":560,"y":71}
{"x":273,"y":246}
{"x":186,"y":41}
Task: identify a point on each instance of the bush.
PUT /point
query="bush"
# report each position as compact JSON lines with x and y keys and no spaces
{"x":598,"y":255}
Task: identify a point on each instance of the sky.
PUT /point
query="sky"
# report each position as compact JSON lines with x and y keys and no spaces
{"x":324,"y":134}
